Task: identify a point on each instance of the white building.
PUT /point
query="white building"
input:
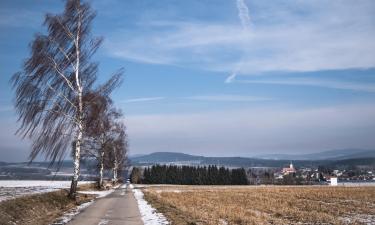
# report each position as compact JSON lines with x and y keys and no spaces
{"x":333,"y":181}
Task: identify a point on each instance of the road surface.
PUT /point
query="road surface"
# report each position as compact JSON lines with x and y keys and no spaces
{"x":117,"y":208}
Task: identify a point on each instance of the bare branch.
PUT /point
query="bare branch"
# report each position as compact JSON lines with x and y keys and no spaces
{"x":62,"y":74}
{"x":62,"y":51}
{"x":62,"y":95}
{"x":67,"y":31}
{"x":74,"y":120}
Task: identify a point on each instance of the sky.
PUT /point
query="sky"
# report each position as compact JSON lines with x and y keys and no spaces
{"x":219,"y":77}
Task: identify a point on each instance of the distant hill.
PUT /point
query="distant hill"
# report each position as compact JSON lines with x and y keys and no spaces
{"x":164,"y":157}
{"x":326,"y":155}
{"x":186,"y":159}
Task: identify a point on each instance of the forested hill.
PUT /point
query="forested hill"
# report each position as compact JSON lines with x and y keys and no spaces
{"x":185,"y":159}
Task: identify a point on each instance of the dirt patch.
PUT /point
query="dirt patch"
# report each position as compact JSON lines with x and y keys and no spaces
{"x":39,"y":208}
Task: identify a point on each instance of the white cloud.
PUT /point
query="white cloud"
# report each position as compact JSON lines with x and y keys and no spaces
{"x":243,"y":14}
{"x":147,"y":99}
{"x":290,"y":36}
{"x":228,"y":98}
{"x":335,"y":84}
{"x":255,"y":130}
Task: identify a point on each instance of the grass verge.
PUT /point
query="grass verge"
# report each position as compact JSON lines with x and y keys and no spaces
{"x":38,"y":209}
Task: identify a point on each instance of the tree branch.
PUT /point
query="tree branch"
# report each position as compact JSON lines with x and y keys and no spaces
{"x":62,"y":74}
{"x":62,"y":51}
{"x":60,"y":94}
{"x":67,"y":31}
{"x":74,"y":120}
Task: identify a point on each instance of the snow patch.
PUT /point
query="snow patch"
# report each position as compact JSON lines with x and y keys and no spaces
{"x":103,"y":222}
{"x":100,"y":194}
{"x":149,"y":215}
{"x":68,"y":216}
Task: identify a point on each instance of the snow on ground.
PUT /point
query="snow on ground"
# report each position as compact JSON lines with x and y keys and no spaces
{"x":15,"y":188}
{"x":68,"y":216}
{"x":36,"y":183}
{"x":100,"y":194}
{"x":149,"y":215}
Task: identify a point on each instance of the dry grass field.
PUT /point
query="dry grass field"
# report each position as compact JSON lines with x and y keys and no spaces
{"x":264,"y":205}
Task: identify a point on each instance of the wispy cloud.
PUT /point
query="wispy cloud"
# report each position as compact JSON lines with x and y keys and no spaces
{"x":147,"y":99}
{"x":228,"y":98}
{"x":216,"y":98}
{"x":296,"y":36}
{"x":243,"y":14}
{"x":335,"y":84}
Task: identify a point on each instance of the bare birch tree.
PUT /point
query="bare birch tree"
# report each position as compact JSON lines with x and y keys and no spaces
{"x":105,"y":138}
{"x":50,"y":89}
{"x":117,"y":156}
{"x":99,"y":125}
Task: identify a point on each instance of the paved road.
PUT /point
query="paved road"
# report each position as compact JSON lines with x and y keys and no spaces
{"x":118,"y":208}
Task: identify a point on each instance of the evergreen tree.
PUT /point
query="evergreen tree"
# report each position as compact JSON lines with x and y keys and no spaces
{"x":135,"y":175}
{"x":190,"y":175}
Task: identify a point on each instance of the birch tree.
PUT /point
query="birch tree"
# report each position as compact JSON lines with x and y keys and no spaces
{"x":51,"y":86}
{"x":119,"y":149}
{"x":99,"y":123}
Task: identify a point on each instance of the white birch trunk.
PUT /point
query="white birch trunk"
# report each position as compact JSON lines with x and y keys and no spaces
{"x":101,"y":169}
{"x":77,"y":155}
{"x":73,"y":187}
{"x":115,"y":173}
{"x":115,"y":167}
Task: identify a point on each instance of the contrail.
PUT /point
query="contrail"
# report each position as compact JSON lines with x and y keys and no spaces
{"x":243,"y":14}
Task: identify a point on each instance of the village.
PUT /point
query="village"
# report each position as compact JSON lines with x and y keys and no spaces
{"x":292,"y":175}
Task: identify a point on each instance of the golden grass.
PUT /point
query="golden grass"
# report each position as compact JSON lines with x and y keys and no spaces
{"x":264,"y":205}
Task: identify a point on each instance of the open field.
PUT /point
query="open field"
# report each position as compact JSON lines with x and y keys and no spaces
{"x":10,"y":189}
{"x":264,"y":204}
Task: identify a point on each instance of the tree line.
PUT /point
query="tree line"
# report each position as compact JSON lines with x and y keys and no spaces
{"x":59,"y":103}
{"x":189,"y":175}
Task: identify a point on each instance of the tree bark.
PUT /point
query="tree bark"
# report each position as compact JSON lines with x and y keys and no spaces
{"x":77,"y":155}
{"x":73,"y":186}
{"x":101,"y":169}
{"x":115,"y":167}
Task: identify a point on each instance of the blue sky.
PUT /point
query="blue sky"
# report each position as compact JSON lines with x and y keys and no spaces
{"x":220,"y":77}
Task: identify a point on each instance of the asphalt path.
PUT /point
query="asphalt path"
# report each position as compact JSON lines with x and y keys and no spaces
{"x":117,"y":208}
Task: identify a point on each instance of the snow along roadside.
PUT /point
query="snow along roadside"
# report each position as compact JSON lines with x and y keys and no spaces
{"x":149,"y":215}
{"x":68,"y":216}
